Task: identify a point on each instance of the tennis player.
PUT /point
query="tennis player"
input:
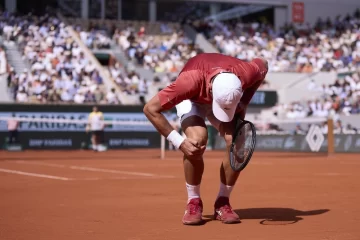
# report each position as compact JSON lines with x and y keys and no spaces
{"x":96,"y":126}
{"x":219,"y":88}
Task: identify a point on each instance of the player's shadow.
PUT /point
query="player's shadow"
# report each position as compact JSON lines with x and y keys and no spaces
{"x":275,"y":216}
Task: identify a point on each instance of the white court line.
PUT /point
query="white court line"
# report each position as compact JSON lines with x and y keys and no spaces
{"x":117,"y":178}
{"x":34,"y":174}
{"x":92,"y":169}
{"x":112,"y":171}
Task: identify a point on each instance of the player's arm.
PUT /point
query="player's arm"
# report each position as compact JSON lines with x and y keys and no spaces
{"x":246,"y":98}
{"x":153,"y":111}
{"x":183,"y":88}
{"x":249,"y":93}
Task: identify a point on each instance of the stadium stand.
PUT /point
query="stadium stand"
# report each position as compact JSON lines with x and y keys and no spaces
{"x":163,"y":48}
{"x":158,"y":53}
{"x":59,"y":71}
{"x":340,"y":97}
{"x":325,"y":47}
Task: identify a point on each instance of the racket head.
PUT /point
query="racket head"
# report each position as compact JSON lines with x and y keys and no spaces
{"x":243,"y":145}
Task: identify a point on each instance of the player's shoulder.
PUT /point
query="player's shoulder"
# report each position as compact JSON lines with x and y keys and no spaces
{"x":261,"y":62}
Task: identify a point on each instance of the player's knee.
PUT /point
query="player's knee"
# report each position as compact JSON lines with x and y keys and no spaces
{"x":195,"y":128}
{"x":201,"y":139}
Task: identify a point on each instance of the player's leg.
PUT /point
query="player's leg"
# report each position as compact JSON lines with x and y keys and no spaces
{"x":99,"y":140}
{"x":93,"y":140}
{"x":228,"y":177}
{"x":10,"y":136}
{"x":194,"y":128}
{"x":193,"y":125}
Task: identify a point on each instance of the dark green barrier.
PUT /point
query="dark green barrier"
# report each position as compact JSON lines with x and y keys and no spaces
{"x":81,"y":140}
{"x":264,"y":99}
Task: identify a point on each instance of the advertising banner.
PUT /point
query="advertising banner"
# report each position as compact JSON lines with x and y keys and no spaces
{"x":76,"y":127}
{"x":298,"y":143}
{"x":81,"y":140}
{"x":298,"y":12}
{"x":47,"y":135}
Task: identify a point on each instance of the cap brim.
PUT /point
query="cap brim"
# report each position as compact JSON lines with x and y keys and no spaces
{"x":222,"y":114}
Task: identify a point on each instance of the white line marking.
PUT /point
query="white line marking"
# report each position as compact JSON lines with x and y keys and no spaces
{"x":34,"y":174}
{"x":118,"y":178}
{"x":96,"y":179}
{"x":111,"y":171}
{"x":92,"y":169}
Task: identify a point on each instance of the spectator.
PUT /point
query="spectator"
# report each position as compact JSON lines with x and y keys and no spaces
{"x":111,"y":97}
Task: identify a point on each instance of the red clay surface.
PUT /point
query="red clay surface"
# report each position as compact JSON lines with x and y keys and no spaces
{"x":132,"y":195}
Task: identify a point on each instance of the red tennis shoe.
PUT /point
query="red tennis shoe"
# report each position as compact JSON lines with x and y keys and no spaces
{"x":193,"y":212}
{"x":224,"y":212}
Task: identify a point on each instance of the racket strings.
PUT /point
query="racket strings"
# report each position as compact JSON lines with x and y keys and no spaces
{"x":243,"y":145}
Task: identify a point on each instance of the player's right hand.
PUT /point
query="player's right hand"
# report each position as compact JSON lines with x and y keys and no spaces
{"x":192,"y":148}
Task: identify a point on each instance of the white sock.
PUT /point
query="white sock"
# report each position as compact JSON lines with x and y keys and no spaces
{"x":193,"y":191}
{"x":225,"y":190}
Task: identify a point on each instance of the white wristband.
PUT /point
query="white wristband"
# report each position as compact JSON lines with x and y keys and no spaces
{"x":175,"y":138}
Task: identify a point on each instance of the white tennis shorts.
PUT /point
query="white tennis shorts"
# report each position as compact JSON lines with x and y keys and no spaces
{"x":188,"y":108}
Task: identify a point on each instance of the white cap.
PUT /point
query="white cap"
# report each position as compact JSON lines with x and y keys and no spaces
{"x":227,"y":92}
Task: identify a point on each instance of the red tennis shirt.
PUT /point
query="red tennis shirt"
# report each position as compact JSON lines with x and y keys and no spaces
{"x":194,"y":80}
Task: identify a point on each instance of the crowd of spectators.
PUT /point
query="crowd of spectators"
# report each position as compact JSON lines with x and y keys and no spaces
{"x":58,"y":70}
{"x":94,"y":39}
{"x":129,"y":81}
{"x":327,"y":46}
{"x":160,"y":54}
{"x":340,"y":98}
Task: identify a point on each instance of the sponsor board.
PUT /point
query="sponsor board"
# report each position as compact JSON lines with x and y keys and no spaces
{"x":299,"y":143}
{"x":80,"y":140}
{"x":77,"y":127}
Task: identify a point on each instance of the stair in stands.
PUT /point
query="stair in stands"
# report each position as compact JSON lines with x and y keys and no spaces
{"x":14,"y":57}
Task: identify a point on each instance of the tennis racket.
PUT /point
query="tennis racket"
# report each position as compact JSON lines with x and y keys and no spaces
{"x":243,"y":145}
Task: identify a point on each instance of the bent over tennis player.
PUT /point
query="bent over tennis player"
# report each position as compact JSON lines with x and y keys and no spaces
{"x":219,"y":88}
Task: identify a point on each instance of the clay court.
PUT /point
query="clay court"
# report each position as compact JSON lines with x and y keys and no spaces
{"x":134,"y":195}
